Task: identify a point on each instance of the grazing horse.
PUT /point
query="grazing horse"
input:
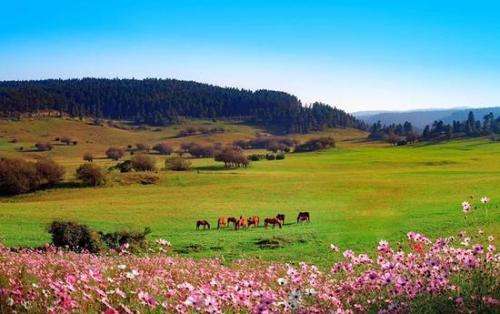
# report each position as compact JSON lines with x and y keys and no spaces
{"x":222,"y":222}
{"x":232,"y":220}
{"x":303,"y":216}
{"x":281,"y":217}
{"x":272,"y":221}
{"x":253,"y":221}
{"x":241,"y":223}
{"x":202,"y":223}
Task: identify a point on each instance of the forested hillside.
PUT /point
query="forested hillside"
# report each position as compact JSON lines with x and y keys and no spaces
{"x":164,"y":101}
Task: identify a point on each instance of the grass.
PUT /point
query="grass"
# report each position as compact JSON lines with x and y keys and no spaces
{"x":357,"y":194}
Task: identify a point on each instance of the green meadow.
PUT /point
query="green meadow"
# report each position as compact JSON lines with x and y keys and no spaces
{"x":357,"y":194}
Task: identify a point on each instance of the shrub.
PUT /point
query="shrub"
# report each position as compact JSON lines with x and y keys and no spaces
{"x":125,"y":166}
{"x":19,"y":176}
{"x":49,"y":173}
{"x":66,"y":140}
{"x":43,"y":146}
{"x":270,"y":156}
{"x":115,"y":153}
{"x":256,"y":157}
{"x":280,"y":156}
{"x":75,"y":237}
{"x":177,"y":164}
{"x":164,"y":148}
{"x":199,"y":151}
{"x":143,"y":162}
{"x":315,"y":144}
{"x":88,"y":157}
{"x":91,"y":174}
{"x":142,"y":147}
{"x":135,"y":240}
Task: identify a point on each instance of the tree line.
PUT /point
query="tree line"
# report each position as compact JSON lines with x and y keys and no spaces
{"x":165,"y":101}
{"x":438,"y":130}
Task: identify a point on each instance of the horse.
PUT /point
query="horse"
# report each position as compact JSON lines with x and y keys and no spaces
{"x":232,"y":220}
{"x":254,"y":220}
{"x":272,"y":221}
{"x":242,"y":223}
{"x":281,"y":217}
{"x":222,"y":222}
{"x":303,"y":216}
{"x":202,"y":223}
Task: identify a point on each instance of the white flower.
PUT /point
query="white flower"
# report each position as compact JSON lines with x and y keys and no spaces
{"x":281,"y":281}
{"x":310,"y":292}
{"x":466,"y":241}
{"x":132,"y":274}
{"x":466,"y":207}
{"x":163,"y":242}
{"x":480,"y":231}
{"x":294,"y":296}
{"x":10,"y":302}
{"x":334,"y":248}
{"x":121,"y":266}
{"x":485,"y":200}
{"x":491,"y":238}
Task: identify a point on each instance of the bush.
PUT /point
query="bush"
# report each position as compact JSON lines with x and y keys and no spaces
{"x":199,"y":151}
{"x":75,"y":237}
{"x":125,"y":166}
{"x":115,"y":153}
{"x":66,"y":140}
{"x":91,"y":174}
{"x":18,"y":176}
{"x":49,"y":173}
{"x":43,"y":146}
{"x":163,"y":148}
{"x":136,"y":240}
{"x":177,"y":164}
{"x":315,"y":144}
{"x":142,"y":147}
{"x":88,"y":157}
{"x":280,"y":156}
{"x":270,"y":156}
{"x":143,"y":162}
{"x":256,"y":157}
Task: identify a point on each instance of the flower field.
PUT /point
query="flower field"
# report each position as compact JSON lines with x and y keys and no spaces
{"x":448,"y":274}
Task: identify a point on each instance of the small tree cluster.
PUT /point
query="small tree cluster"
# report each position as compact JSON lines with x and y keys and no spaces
{"x":232,"y":157}
{"x":177,"y":163}
{"x":315,"y":144}
{"x":19,"y":176}
{"x":201,"y":130}
{"x":143,"y":147}
{"x":142,"y":162}
{"x":91,"y":174}
{"x":271,"y":143}
{"x":43,"y":146}
{"x":163,"y":148}
{"x":115,"y":153}
{"x":198,"y":150}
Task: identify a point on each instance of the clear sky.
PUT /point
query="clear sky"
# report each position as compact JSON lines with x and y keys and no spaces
{"x":358,"y":55}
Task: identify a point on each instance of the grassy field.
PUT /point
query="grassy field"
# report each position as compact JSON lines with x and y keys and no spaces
{"x":356,"y":193}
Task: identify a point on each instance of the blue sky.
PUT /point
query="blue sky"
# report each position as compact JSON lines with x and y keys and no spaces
{"x":358,"y":55}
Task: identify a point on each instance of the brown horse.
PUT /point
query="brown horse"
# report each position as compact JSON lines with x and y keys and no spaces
{"x":253,"y":221}
{"x":222,"y":222}
{"x":242,"y":223}
{"x":281,"y":217}
{"x":272,"y":221}
{"x":202,"y":223}
{"x":232,"y":220}
{"x":303,"y":216}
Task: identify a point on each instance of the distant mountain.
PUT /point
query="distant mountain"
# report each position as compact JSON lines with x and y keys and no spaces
{"x":421,"y":118}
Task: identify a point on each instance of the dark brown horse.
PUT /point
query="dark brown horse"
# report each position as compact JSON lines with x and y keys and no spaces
{"x":232,"y":220}
{"x":253,"y":221}
{"x":241,"y":223}
{"x":202,"y":223}
{"x":303,"y":216}
{"x":281,"y":217}
{"x":272,"y":221}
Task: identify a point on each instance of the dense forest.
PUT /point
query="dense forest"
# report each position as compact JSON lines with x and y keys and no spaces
{"x":439,"y":130}
{"x":165,"y":101}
